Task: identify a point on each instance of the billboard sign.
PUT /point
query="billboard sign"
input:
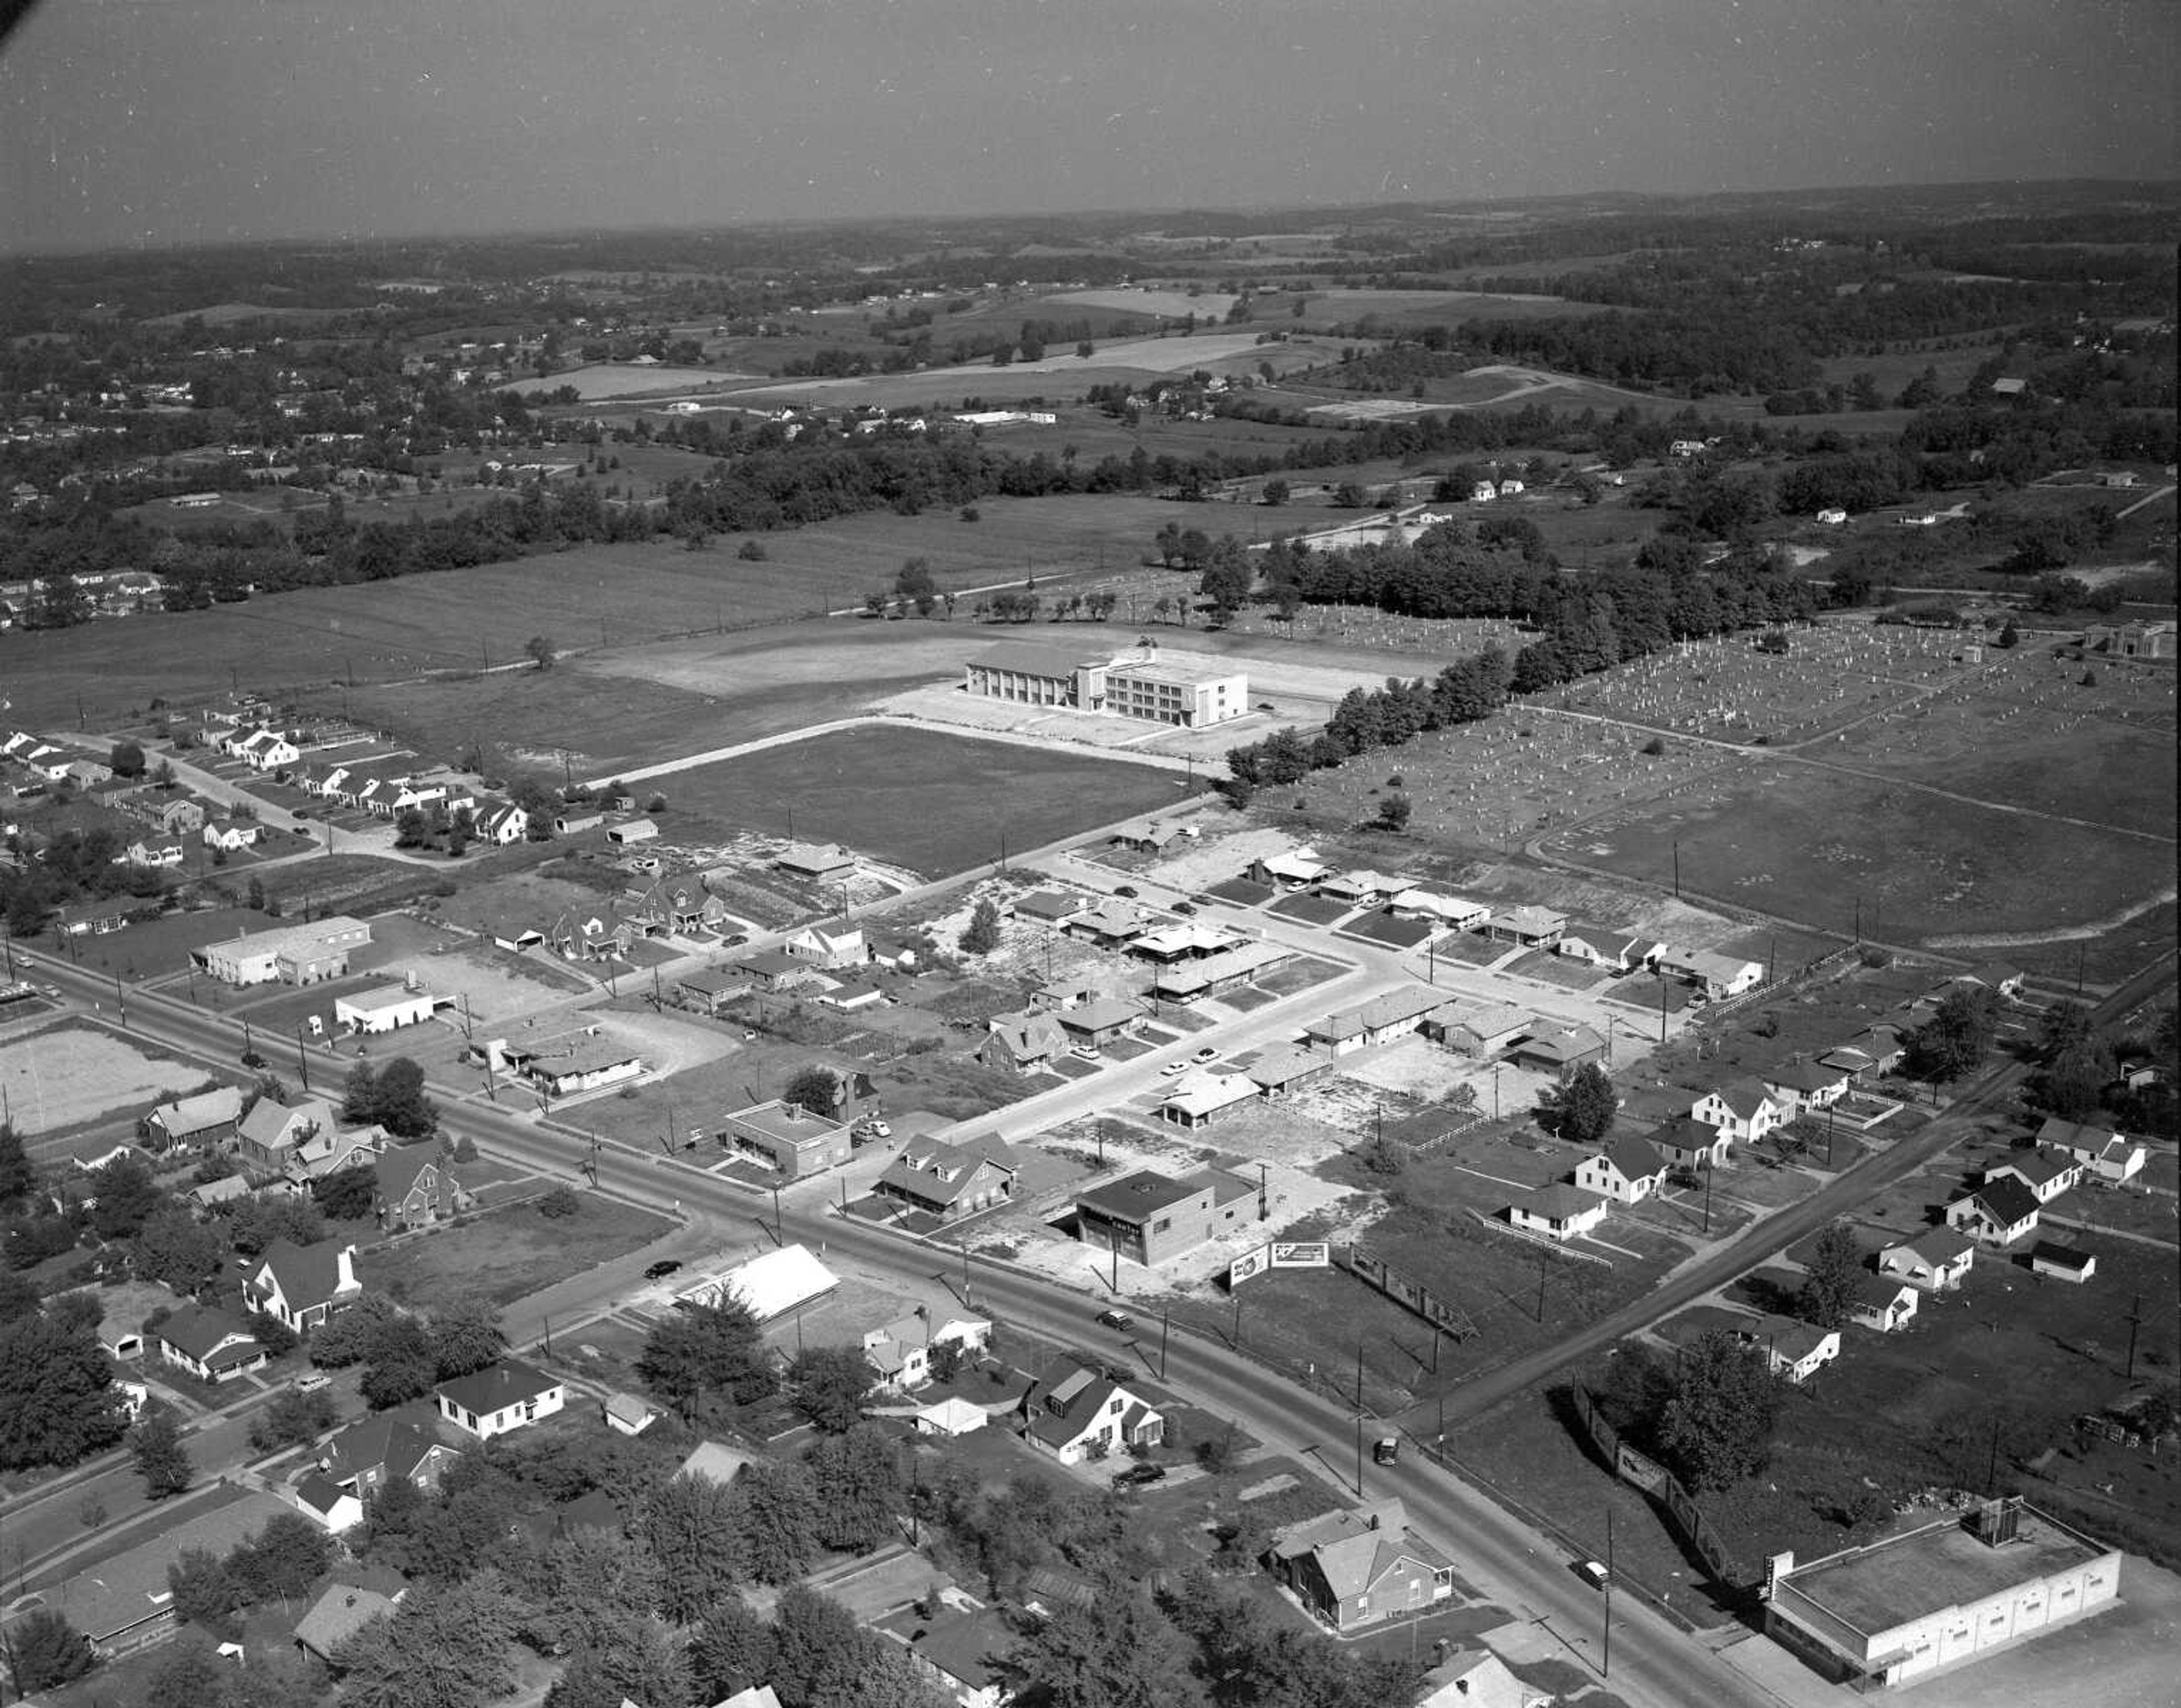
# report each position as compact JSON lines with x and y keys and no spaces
{"x":1253,"y":1262}
{"x":1301,"y":1255}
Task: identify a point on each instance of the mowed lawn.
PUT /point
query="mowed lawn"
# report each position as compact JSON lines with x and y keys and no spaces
{"x":508,"y":1254}
{"x":937,"y":803}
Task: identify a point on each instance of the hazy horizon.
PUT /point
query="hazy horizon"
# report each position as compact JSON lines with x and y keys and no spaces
{"x":133,"y":123}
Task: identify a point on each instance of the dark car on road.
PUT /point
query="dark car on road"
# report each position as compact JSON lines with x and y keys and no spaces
{"x":665,"y":1266}
{"x":1116,"y":1319}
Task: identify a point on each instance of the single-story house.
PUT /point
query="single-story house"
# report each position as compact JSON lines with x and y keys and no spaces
{"x":709,"y":992}
{"x":1356,"y":1569}
{"x":1534,"y":927}
{"x":230,"y":835}
{"x":209,"y":1344}
{"x":958,"y":1649}
{"x":1111,"y":921}
{"x":1215,"y":974}
{"x":1048,"y":906}
{"x":573,"y":1063}
{"x":625,"y":1414}
{"x":325,"y":1503}
{"x":2047,"y":1173}
{"x":900,"y":1351}
{"x":1718,"y":976}
{"x":826,"y":861}
{"x":1100,"y":1020}
{"x":1296,"y":869}
{"x":501,"y":1397}
{"x":1883,"y":1302}
{"x":1361,"y":887}
{"x":1198,"y":1099}
{"x":125,"y":1600}
{"x":1187,"y":941}
{"x":337,"y":1615}
{"x":206,"y":1194}
{"x":303,"y":1285}
{"x":1477,"y":1678}
{"x":1618,"y":951}
{"x":1389,"y":1015}
{"x":1151,"y":835}
{"x":1793,"y":1349}
{"x":2098,"y":1152}
{"x":1998,"y":1213}
{"x":2001,"y":979}
{"x":1558,"y":1212}
{"x":772,"y":971}
{"x":829,"y":943}
{"x":1482,"y":1033}
{"x":1455,"y":911}
{"x":951,"y":1416}
{"x":1280,"y":1069}
{"x":949,"y":1181}
{"x":1559,"y":1050}
{"x":1935,"y":1261}
{"x":1627,"y":1170}
{"x":1076,"y":1411}
{"x":2061,"y":1262}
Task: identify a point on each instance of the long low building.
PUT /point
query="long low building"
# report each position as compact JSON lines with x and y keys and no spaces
{"x":304,"y":954}
{"x":1938,"y":1596}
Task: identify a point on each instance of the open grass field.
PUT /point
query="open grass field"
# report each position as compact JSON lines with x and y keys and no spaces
{"x":933,"y":803}
{"x":1173,"y":305}
{"x":1808,"y":845}
{"x":62,"y":1076}
{"x":1427,"y":307}
{"x":614,"y":380}
{"x":509,"y":1254}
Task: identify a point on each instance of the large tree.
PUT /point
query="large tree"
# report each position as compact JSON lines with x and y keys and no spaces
{"x":17,"y":1176}
{"x":162,"y":1457}
{"x":1122,"y":1653}
{"x":778,"y":1523}
{"x":467,"y":1336}
{"x":733,"y":1650}
{"x":44,"y":1651}
{"x":1954,"y":1041}
{"x":708,"y":1351}
{"x":447,"y":1647}
{"x":1583,"y":1110}
{"x":124,"y":1195}
{"x":57,"y":1402}
{"x":692,"y":1527}
{"x":1827,"y":1294}
{"x":981,"y":935}
{"x":1717,"y":1426}
{"x":860,"y":1497}
{"x":828,"y":1386}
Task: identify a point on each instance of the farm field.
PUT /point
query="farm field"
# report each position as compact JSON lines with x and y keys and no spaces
{"x":1428,"y":307}
{"x":1174,"y":304}
{"x":616,"y":379}
{"x":934,"y":803}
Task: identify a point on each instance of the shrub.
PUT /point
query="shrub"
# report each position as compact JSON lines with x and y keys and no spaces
{"x":1655,"y":746}
{"x":559,"y":1202}
{"x":970,"y":514}
{"x":750,"y":552}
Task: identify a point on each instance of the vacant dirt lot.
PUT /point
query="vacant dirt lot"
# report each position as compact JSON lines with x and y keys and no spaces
{"x":74,"y":1073}
{"x":509,"y":1254}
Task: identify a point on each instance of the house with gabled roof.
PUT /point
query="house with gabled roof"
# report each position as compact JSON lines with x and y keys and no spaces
{"x":2047,"y":1173}
{"x":2056,"y":1261}
{"x":303,"y":1285}
{"x":1076,"y":1411}
{"x":338,"y":1614}
{"x":1022,"y":1043}
{"x":1685,"y":1142}
{"x":2098,"y":1152}
{"x":900,"y":1351}
{"x":1558,"y":1212}
{"x":2001,"y":978}
{"x":1285,"y":1067}
{"x":826,"y":861}
{"x":508,"y":1396}
{"x":1361,"y":887}
{"x":325,"y":1503}
{"x":1997,"y":1213}
{"x":1883,"y":1302}
{"x":1482,"y":1033}
{"x":416,"y":1188}
{"x":1742,"y":1109}
{"x":1477,"y":1678}
{"x":1353,"y":1568}
{"x":270,"y":1132}
{"x":1934,"y":1261}
{"x":1047,"y":906}
{"x":829,"y":943}
{"x":1627,"y":1170}
{"x":1387,"y":1016}
{"x":1198,"y":1099}
{"x":950,"y":1182}
{"x":204,"y":1121}
{"x":1617,"y":952}
{"x":1111,"y":921}
{"x":959,"y":1650}
{"x":1804,"y":1085}
{"x":1455,"y":911}
{"x":1557,"y":1049}
{"x":393,"y":1446}
{"x":1718,"y":976}
{"x":1296,"y":869}
{"x":331,"y":1150}
{"x":1793,"y":1349}
{"x":1533,"y":928}
{"x":1101,"y":1019}
{"x":209,"y":1344}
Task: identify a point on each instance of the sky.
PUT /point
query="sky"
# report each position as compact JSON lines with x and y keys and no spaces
{"x":127,"y":123}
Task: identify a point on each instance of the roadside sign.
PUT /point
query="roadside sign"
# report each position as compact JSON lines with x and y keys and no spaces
{"x":1254,"y":1262}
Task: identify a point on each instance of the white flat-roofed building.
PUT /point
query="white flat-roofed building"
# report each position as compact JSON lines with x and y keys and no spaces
{"x":305,"y":954}
{"x":1143,"y":684}
{"x":1939,"y":1596}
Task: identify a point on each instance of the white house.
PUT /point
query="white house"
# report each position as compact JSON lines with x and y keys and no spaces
{"x":1076,"y":1411}
{"x":1883,"y":1302}
{"x":1794,"y":1349}
{"x":1935,"y":1261}
{"x":1833,"y":517}
{"x":1997,"y":1213}
{"x":2047,"y":1173}
{"x":2106,"y":1155}
{"x":1558,"y":1212}
{"x":303,"y":1285}
{"x":1628,"y":1171}
{"x":501,"y":1397}
{"x":1744,"y":1109}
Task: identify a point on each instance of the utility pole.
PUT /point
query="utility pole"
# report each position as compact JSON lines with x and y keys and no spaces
{"x":1359,"y":1456}
{"x":303,"y":1057}
{"x":1542,"y":1271}
{"x":1678,"y":868}
{"x":1605,"y":1668}
{"x":2134,"y":1323}
{"x":1359,"y":1379}
{"x":1162,"y":1332}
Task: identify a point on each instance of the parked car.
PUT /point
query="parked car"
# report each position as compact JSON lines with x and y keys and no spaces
{"x":1592,"y":1573}
{"x":315,"y":1382}
{"x":1174,"y":1069}
{"x":1184,"y":907}
{"x":665,"y":1266}
{"x":1116,"y":1319}
{"x":1088,"y":1052}
{"x":1134,"y":1476}
{"x":1127,"y":890}
{"x":1205,"y":1052}
{"x":875,"y":1129}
